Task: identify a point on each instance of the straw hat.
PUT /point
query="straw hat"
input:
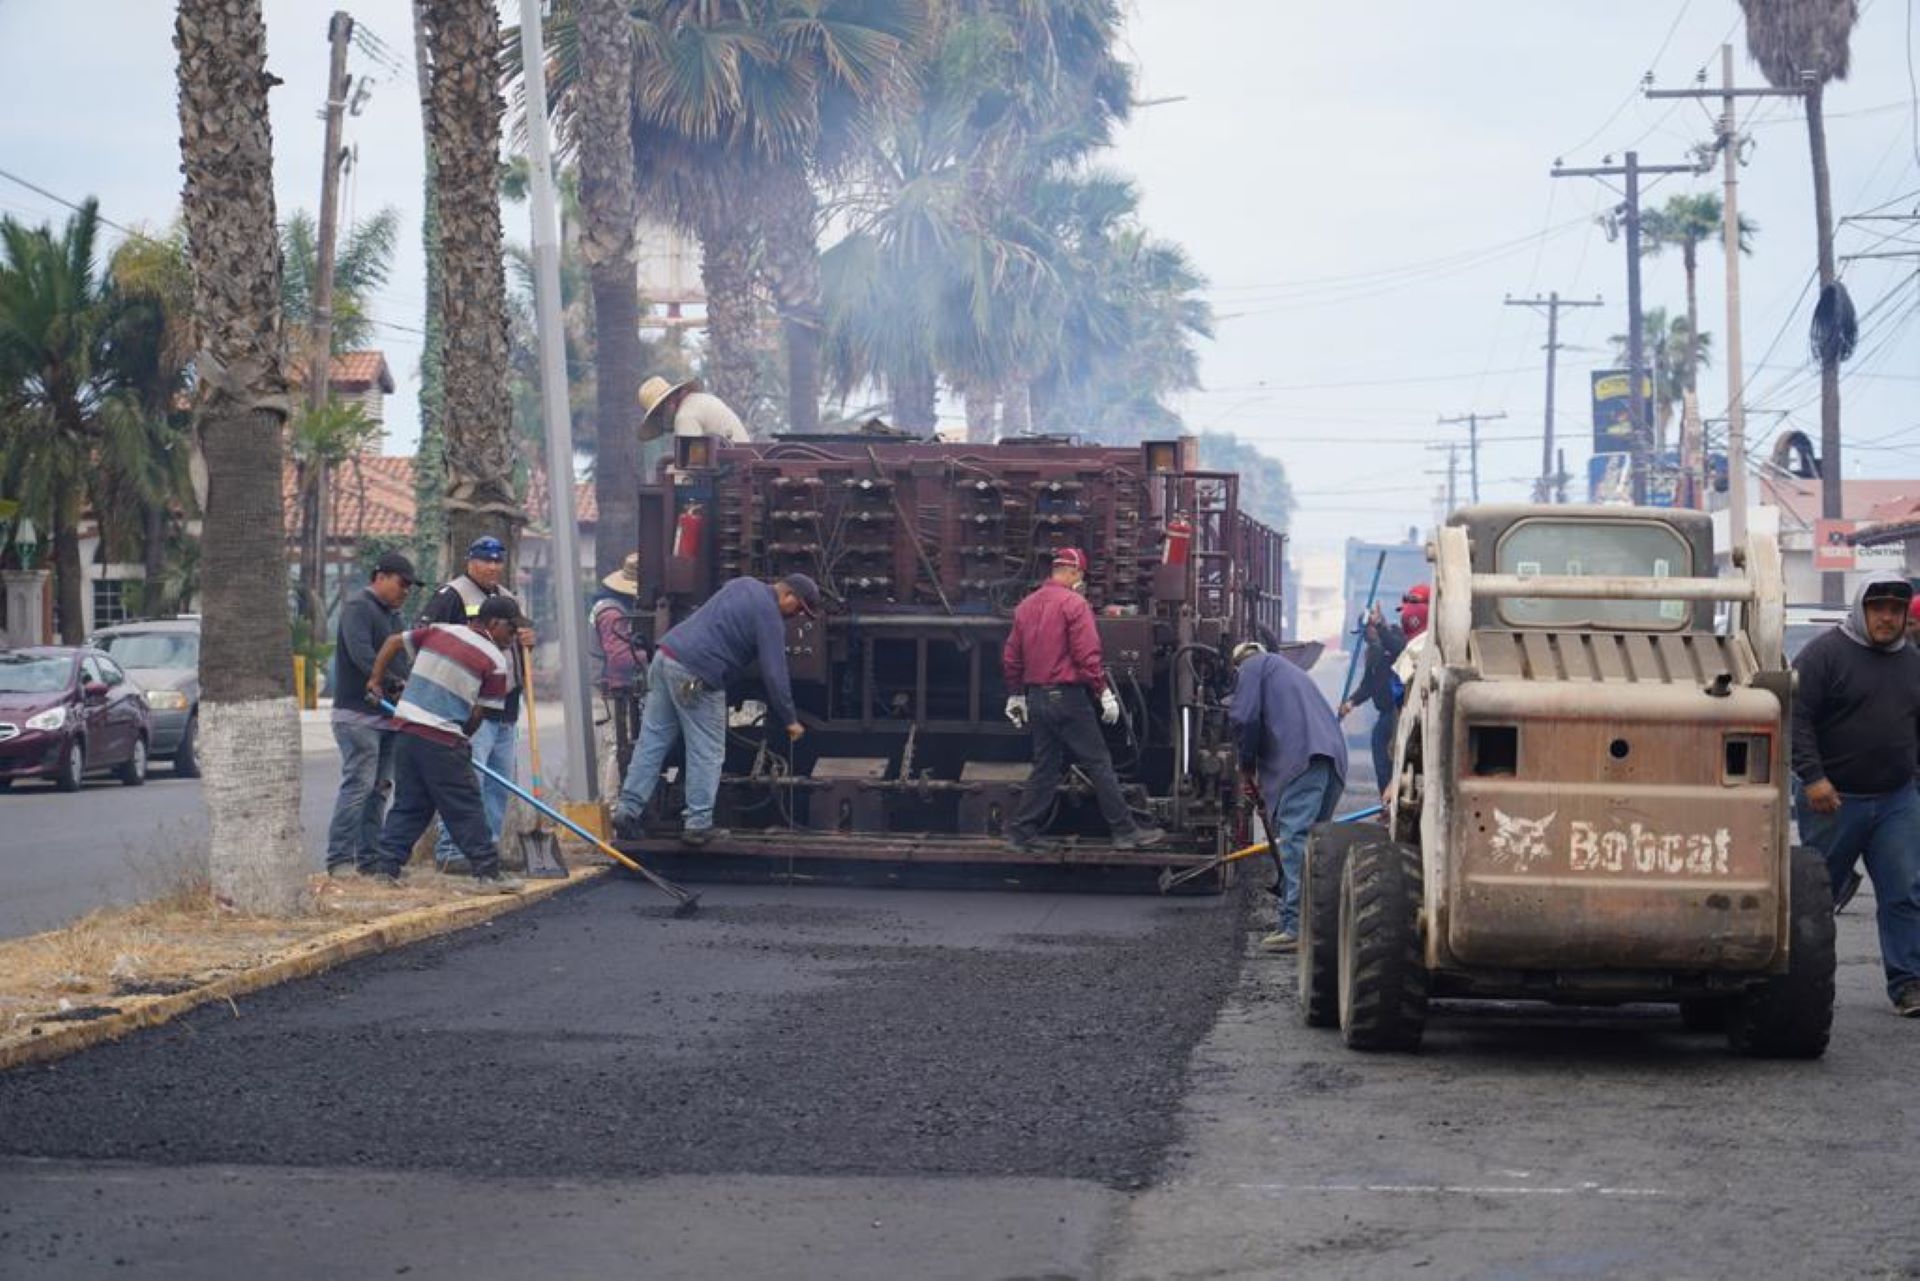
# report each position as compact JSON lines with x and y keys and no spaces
{"x":626,"y":579}
{"x":654,"y":393}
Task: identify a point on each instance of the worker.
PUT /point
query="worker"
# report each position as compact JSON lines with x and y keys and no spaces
{"x":459,"y":673}
{"x":1913,"y":622}
{"x":1385,"y":643}
{"x":1856,"y":732}
{"x":1054,"y":672}
{"x":610,"y":613}
{"x":743,"y":622}
{"x":685,"y":410}
{"x":493,"y":745}
{"x":360,"y":728}
{"x":1293,"y":754}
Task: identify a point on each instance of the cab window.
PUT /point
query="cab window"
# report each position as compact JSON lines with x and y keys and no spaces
{"x":1593,"y":548}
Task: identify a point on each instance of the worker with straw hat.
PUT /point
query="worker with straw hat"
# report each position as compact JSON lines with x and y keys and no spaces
{"x":685,"y":410}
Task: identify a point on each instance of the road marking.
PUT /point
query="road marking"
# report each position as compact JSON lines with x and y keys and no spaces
{"x":1457,"y":1189}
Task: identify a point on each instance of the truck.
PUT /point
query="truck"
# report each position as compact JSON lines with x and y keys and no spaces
{"x":922,"y":548}
{"x":1591,"y":795}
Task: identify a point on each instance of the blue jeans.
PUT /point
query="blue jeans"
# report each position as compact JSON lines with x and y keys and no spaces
{"x":366,"y":781}
{"x":1381,"y":743}
{"x":1310,"y":798}
{"x":1885,"y":830}
{"x":673,"y":712}
{"x":493,"y":747}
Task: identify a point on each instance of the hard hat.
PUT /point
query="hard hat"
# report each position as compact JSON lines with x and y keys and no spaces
{"x":1071,"y":557}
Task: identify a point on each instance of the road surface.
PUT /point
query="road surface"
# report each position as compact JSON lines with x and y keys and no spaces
{"x":838,"y":1083}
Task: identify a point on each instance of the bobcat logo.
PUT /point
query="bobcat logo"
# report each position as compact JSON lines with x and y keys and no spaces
{"x":1519,"y":843}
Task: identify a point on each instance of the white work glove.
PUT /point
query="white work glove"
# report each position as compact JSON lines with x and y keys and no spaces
{"x":1017,"y":709}
{"x":1109,"y":708}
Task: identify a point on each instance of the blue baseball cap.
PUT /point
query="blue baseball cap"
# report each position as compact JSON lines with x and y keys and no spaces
{"x":487,"y":548}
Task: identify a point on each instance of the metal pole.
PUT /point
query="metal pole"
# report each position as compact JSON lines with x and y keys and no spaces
{"x":582,"y":778}
{"x":1730,"y":232}
{"x":1636,"y":337}
{"x":1553,"y":351}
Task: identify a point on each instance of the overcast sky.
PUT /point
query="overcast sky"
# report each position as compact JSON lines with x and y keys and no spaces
{"x":1362,"y":183}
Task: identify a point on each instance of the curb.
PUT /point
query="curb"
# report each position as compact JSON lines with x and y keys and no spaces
{"x":45,"y":1042}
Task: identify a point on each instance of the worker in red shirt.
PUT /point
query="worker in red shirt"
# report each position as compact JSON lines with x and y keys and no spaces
{"x":1054,"y":671}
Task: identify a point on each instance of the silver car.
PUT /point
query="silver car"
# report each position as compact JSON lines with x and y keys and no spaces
{"x":163,"y":657}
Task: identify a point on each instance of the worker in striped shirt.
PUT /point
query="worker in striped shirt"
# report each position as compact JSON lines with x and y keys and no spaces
{"x":459,"y":672}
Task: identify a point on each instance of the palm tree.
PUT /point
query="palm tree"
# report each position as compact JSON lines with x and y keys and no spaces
{"x":1802,"y":45}
{"x":1672,"y":352}
{"x":609,"y":209}
{"x":361,"y":266}
{"x":463,"y":127}
{"x":1685,"y":222}
{"x":249,"y":727}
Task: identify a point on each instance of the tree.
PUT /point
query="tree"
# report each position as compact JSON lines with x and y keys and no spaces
{"x":609,"y":208}
{"x":1802,"y":45}
{"x":1672,"y":351}
{"x":361,"y":266}
{"x":463,"y":128}
{"x":250,"y":729}
{"x":1685,"y":222}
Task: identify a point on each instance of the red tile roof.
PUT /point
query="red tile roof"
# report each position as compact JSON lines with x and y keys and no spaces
{"x":1799,"y":500}
{"x":352,"y":371}
{"x":372,"y":496}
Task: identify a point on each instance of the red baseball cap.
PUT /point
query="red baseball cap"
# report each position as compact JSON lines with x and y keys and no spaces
{"x":1418,"y":594}
{"x":1913,"y":609}
{"x":1072,"y":557}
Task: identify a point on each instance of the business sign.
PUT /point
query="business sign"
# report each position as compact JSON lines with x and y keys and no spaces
{"x":1613,"y":409}
{"x":1610,"y":479}
{"x":1832,"y":551}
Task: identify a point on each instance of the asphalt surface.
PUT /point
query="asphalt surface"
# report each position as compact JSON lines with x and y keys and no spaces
{"x":995,"y":1067}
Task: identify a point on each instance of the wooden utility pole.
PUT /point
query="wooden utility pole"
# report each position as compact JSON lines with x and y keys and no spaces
{"x":1452,"y":473}
{"x":1632,"y":171}
{"x":1551,"y":304}
{"x":1473,"y":422}
{"x":1728,"y":141}
{"x":320,"y":348}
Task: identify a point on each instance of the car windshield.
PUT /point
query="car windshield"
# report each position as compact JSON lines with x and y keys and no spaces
{"x":153,"y":649}
{"x":1594,"y":548}
{"x":34,"y":673}
{"x":1798,"y":634}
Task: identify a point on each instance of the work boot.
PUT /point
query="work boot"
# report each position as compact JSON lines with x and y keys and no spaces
{"x":1280,"y":941}
{"x":456,"y":867}
{"x":387,"y":880}
{"x":1139,"y":838}
{"x":494,"y":883}
{"x":1907,"y":1004}
{"x":700,"y":837}
{"x":341,"y":871}
{"x":626,"y":826}
{"x":1848,"y":888}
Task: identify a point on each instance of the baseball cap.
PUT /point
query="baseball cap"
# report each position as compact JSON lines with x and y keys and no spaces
{"x":1071,"y":557}
{"x":487,"y":547}
{"x":395,"y":563}
{"x":1889,"y":589}
{"x":1245,"y":650}
{"x":806,"y":589}
{"x":503,"y":607}
{"x":1418,"y":594}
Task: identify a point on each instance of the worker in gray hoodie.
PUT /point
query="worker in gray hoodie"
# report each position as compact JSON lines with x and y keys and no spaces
{"x":1856,"y":744}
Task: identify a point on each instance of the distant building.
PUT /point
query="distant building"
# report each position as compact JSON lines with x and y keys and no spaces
{"x":358,"y":378}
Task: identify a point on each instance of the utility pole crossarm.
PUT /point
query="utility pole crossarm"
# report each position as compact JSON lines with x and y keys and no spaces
{"x":1473,"y":421}
{"x":1550,"y":306}
{"x":1620,"y":171}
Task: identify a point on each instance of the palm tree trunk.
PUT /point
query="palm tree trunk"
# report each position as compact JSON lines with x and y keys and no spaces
{"x":463,"y":37}
{"x":1691,"y":451}
{"x":792,"y":228}
{"x":1833,"y":586}
{"x":913,"y":396}
{"x":69,"y":574}
{"x":726,"y":273}
{"x":249,"y":726}
{"x":608,"y":208}
{"x":153,"y":554}
{"x":980,"y":405}
{"x":1016,"y":418}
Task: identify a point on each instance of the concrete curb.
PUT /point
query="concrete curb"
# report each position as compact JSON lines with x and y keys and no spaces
{"x":45,"y":1042}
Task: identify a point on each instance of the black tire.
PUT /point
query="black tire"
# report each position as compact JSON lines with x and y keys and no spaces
{"x":1382,"y":968}
{"x":134,"y":772}
{"x":1318,"y":963}
{"x":6,"y":785}
{"x":1790,"y":1016}
{"x":186,"y":756}
{"x":73,"y":767}
{"x":1707,"y":1014}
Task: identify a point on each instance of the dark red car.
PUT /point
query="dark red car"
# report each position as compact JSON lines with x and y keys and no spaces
{"x":67,"y":712}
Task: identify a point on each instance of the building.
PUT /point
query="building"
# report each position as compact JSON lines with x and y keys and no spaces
{"x":1790,"y":507}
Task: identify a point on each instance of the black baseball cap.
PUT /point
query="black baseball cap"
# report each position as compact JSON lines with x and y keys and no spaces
{"x":503,"y":607}
{"x":395,"y":563}
{"x":806,"y":589}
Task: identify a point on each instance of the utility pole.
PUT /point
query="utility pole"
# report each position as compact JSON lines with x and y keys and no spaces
{"x":1452,"y":449}
{"x":1632,"y":171}
{"x":1473,"y":422}
{"x":1727,"y":140}
{"x":1552,"y":304}
{"x":320,"y":346}
{"x":583,"y":778}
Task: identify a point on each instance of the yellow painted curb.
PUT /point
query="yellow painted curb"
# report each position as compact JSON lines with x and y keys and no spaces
{"x":44,"y":1042}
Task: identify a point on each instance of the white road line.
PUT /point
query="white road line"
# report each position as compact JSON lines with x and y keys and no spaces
{"x":1456,"y":1189}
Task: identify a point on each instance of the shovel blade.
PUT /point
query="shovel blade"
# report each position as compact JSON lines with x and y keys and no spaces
{"x":541,"y":850}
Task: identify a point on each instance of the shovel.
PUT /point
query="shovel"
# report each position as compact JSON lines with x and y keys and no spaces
{"x":539,"y":847}
{"x":1170,"y":878}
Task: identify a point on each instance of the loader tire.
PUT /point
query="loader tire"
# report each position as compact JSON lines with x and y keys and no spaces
{"x":1318,"y":960}
{"x":1382,"y":967}
{"x":1790,"y":1016}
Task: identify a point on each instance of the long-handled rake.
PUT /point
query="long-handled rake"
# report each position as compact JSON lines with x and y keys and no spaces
{"x":686,"y":903}
{"x":539,"y":847}
{"x":1171,"y":878}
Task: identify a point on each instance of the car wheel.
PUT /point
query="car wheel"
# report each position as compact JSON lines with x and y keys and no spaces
{"x":73,"y":767}
{"x":186,"y":757}
{"x":134,"y":772}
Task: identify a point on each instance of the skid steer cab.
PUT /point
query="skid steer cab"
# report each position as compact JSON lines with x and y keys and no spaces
{"x":1590,"y":795}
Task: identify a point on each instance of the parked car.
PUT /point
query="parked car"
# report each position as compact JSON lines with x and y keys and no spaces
{"x":163,"y":657}
{"x":66,"y":712}
{"x":1804,"y":622}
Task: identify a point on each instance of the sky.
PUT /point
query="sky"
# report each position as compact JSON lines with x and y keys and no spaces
{"x":1362,"y":184}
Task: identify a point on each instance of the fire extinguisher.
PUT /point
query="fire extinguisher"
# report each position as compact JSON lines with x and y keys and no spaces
{"x":686,"y":533}
{"x":1179,"y":541}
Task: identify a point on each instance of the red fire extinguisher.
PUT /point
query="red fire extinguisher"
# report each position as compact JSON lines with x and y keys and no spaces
{"x":686,"y":533}
{"x":1179,"y":541}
